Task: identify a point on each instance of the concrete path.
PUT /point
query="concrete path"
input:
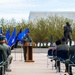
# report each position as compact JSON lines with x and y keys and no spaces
{"x":38,"y":67}
{"x":35,"y":50}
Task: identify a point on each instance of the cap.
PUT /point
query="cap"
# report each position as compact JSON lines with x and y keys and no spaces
{"x":63,"y":39}
{"x":2,"y":38}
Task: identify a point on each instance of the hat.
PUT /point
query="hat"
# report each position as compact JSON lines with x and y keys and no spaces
{"x":2,"y":38}
{"x":63,"y":39}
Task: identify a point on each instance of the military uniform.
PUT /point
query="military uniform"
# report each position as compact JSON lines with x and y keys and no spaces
{"x":3,"y":55}
{"x":62,"y":46}
{"x":68,"y":32}
{"x":71,"y":49}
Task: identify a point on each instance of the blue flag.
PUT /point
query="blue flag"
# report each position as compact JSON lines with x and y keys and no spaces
{"x":16,"y":43}
{"x":7,"y":34}
{"x":15,"y":46}
{"x":12,"y":39}
{"x":21,"y":35}
{"x":1,"y":30}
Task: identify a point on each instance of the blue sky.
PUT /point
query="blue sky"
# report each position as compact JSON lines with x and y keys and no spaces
{"x":20,"y":9}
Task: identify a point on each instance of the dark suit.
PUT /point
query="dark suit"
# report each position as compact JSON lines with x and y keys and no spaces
{"x":26,"y":39}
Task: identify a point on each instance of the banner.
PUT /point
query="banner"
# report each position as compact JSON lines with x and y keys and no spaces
{"x":7,"y":34}
{"x":12,"y":39}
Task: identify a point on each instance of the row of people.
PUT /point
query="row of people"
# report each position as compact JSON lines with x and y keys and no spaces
{"x":64,"y":46}
{"x":5,"y":55}
{"x":61,"y":45}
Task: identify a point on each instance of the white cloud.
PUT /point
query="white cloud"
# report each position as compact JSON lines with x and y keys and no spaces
{"x":8,"y":1}
{"x":66,"y":9}
{"x":19,"y":9}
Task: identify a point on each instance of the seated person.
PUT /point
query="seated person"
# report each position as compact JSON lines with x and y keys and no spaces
{"x":3,"y":55}
{"x":58,"y":42}
{"x":71,"y":49}
{"x":62,"y":46}
{"x":8,"y":52}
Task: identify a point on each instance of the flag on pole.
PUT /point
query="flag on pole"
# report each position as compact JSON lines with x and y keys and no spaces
{"x":16,"y":43}
{"x":7,"y":34}
{"x":21,"y":35}
{"x":1,"y":31}
{"x":12,"y":39}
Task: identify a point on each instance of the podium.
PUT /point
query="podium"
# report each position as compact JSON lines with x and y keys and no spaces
{"x":29,"y":51}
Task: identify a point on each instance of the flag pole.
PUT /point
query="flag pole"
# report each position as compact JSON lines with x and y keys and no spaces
{"x":21,"y":52}
{"x":15,"y":54}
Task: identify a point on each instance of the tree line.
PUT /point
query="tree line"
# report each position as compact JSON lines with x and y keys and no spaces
{"x":42,"y":29}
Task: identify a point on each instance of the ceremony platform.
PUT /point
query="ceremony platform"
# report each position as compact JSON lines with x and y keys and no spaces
{"x":38,"y":67}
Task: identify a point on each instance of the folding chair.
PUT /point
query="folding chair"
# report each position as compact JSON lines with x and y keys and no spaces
{"x":71,"y":59}
{"x":62,"y":55}
{"x":50,"y":56}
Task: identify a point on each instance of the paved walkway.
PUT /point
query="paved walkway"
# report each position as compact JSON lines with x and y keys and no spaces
{"x":38,"y":67}
{"x":35,"y":50}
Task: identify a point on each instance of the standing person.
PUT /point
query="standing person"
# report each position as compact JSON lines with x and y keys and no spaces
{"x":51,"y":40}
{"x":68,"y":32}
{"x":25,"y":39}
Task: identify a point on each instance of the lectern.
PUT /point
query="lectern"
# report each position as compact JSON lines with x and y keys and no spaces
{"x":29,"y":51}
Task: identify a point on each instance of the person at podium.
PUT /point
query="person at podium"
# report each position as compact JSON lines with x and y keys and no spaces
{"x":25,"y":39}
